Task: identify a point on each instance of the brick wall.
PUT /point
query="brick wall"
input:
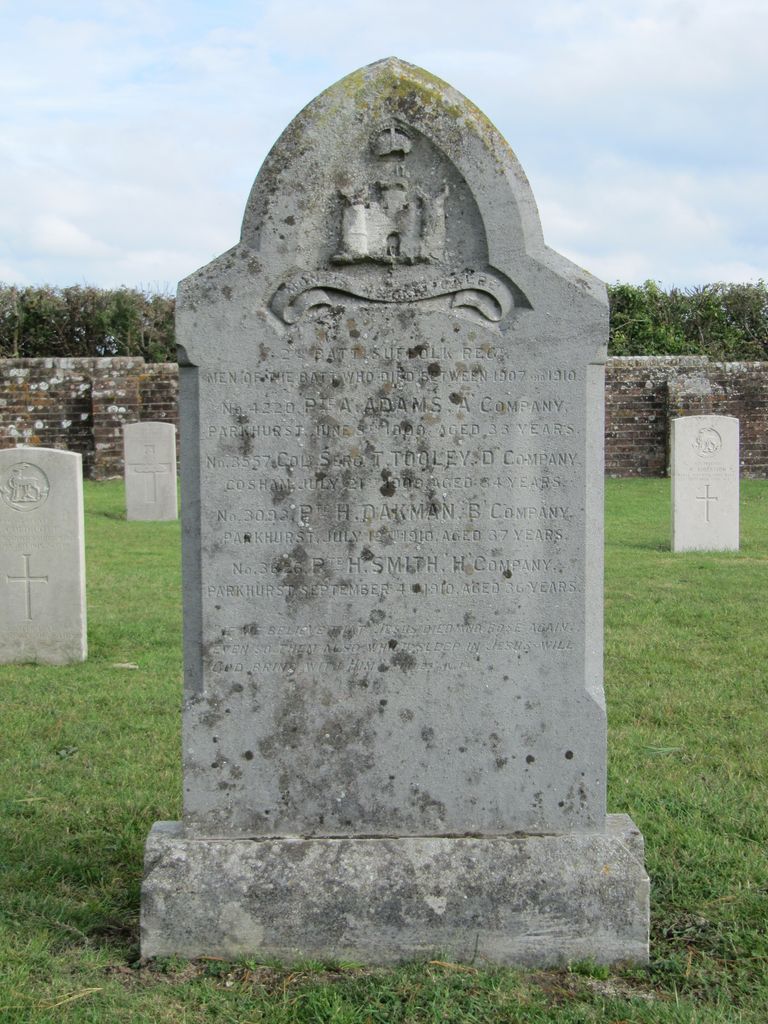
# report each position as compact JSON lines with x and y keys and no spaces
{"x":115,"y":400}
{"x":83,"y":404}
{"x":730,"y":389}
{"x":642,"y":394}
{"x":159,"y":392}
{"x":47,"y":402}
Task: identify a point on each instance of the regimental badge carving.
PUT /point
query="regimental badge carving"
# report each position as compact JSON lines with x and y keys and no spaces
{"x":707,"y":443}
{"x":391,"y":220}
{"x":24,"y":487}
{"x":392,"y":246}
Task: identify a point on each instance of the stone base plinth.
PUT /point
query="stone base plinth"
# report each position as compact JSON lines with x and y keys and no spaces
{"x":531,"y":900}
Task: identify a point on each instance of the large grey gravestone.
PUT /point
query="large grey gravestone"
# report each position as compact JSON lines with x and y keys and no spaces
{"x":42,"y":557}
{"x":394,"y":728}
{"x":149,"y":452}
{"x":705,"y":483}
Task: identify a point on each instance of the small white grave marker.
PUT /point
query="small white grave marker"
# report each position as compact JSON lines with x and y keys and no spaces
{"x":42,"y":561}
{"x":705,"y":483}
{"x":150,"y":470}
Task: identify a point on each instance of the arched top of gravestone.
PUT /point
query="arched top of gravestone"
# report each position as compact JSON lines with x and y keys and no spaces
{"x":390,"y":187}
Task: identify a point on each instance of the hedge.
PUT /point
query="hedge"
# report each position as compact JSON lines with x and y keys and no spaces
{"x":723,"y":321}
{"x":86,"y":321}
{"x":726,"y":322}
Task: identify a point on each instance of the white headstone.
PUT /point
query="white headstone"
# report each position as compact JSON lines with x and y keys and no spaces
{"x":150,"y":470}
{"x":42,"y":557}
{"x":705,"y":483}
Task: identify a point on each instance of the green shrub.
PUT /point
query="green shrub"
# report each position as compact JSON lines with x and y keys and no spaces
{"x":86,"y":321}
{"x":722,"y":321}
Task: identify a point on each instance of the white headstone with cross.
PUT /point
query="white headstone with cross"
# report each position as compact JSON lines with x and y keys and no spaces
{"x":705,"y":483}
{"x":150,"y":470}
{"x":42,"y":560}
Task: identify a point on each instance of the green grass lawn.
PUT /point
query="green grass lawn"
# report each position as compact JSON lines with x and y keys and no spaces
{"x":91,"y":758}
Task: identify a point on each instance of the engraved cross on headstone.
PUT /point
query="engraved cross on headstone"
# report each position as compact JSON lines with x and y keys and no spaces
{"x":706,"y":497}
{"x":150,"y":487}
{"x":28,"y":581}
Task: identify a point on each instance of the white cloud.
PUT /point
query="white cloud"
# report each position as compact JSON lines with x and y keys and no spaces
{"x":628,"y":221}
{"x":136,"y":130}
{"x":56,"y":236}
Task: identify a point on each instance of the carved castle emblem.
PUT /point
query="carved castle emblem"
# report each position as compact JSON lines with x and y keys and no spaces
{"x":391,"y":220}
{"x":394,"y":222}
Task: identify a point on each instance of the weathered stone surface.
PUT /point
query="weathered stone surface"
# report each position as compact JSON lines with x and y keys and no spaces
{"x":705,"y":483}
{"x":528,"y":900}
{"x":150,"y":470}
{"x":42,"y":559}
{"x":393,"y":564}
{"x":391,"y":400}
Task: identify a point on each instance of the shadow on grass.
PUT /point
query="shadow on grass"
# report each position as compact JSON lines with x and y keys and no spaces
{"x":119,"y":516}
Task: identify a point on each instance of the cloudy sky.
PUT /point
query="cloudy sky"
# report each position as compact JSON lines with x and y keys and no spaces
{"x":132,"y":130}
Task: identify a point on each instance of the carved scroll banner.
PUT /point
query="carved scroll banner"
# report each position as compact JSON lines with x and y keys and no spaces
{"x":487,"y":294}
